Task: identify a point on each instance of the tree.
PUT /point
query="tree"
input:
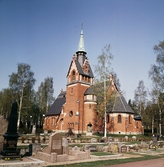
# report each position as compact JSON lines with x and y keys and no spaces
{"x":140,"y":97}
{"x":45,"y":96}
{"x":156,"y":73}
{"x":102,"y":81}
{"x":21,"y":83}
{"x":5,"y":102}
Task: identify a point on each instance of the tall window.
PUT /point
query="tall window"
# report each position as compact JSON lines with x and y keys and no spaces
{"x":119,"y":118}
{"x":129,"y":119}
{"x":73,"y":76}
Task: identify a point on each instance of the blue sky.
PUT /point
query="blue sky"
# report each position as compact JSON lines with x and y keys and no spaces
{"x":45,"y":35}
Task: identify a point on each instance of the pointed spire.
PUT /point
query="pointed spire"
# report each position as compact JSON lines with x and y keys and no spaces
{"x":81,"y":46}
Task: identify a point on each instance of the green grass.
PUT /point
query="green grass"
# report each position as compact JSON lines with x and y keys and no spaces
{"x":101,"y":153}
{"x":109,"y":162}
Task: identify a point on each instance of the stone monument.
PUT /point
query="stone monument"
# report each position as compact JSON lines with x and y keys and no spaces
{"x":10,"y":150}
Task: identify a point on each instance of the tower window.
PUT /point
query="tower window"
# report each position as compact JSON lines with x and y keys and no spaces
{"x":71,"y":113}
{"x":129,"y":119}
{"x":73,"y":76}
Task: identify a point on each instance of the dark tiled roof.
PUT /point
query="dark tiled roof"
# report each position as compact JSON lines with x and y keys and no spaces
{"x":137,"y":117}
{"x":89,"y":91}
{"x":118,"y":104}
{"x":56,"y":107}
{"x":81,"y":72}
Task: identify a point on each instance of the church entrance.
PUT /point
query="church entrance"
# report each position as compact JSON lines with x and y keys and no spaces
{"x":89,"y":127}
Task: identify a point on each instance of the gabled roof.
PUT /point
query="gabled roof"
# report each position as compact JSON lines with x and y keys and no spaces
{"x":119,"y":105}
{"x":80,"y":70}
{"x":56,"y":107}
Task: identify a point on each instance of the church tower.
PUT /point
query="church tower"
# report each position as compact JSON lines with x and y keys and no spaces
{"x":79,"y":79}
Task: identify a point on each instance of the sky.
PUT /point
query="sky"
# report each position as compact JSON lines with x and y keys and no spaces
{"x":45,"y":34}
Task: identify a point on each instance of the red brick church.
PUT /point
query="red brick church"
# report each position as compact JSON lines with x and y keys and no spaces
{"x":75,"y":108}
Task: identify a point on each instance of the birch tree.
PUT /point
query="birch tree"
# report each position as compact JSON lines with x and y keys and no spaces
{"x":21,"y":83}
{"x":156,"y":74}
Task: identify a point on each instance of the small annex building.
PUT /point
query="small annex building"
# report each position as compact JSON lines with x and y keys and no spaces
{"x":75,"y":108}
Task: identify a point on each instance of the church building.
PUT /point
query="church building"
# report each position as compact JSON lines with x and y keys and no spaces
{"x":75,"y":108}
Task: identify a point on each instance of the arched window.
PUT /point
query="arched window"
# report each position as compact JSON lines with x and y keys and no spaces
{"x":71,"y":113}
{"x":73,"y":76}
{"x":119,"y":118}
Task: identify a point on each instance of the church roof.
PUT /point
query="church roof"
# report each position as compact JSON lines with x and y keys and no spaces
{"x":118,"y":104}
{"x":56,"y":107}
{"x":89,"y":91}
{"x":81,"y":72}
{"x":137,"y":117}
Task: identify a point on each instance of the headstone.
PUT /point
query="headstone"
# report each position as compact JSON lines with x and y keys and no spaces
{"x":134,"y":138}
{"x":110,"y":139}
{"x":123,"y":149}
{"x":10,"y":150}
{"x":93,"y":140}
{"x":55,"y":143}
{"x":65,"y":145}
{"x":33,"y":129}
{"x":144,"y":144}
{"x":126,"y":138}
{"x":64,"y":142}
{"x":119,"y":147}
{"x":111,"y":147}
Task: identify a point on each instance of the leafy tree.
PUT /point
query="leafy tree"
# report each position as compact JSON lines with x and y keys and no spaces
{"x":5,"y":102}
{"x":21,"y":83}
{"x":140,"y":97}
{"x":45,"y":96}
{"x":103,"y":71}
{"x":156,"y":74}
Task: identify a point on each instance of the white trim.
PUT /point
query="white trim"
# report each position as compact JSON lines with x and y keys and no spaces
{"x":72,"y":85}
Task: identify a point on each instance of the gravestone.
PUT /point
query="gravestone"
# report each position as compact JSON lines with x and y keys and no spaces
{"x":110,"y":139}
{"x":111,"y":147}
{"x":55,"y":143}
{"x":119,"y":146}
{"x":123,"y":149}
{"x":10,"y":150}
{"x":33,"y":129}
{"x":126,"y":138}
{"x":93,"y":140}
{"x":65,"y":145}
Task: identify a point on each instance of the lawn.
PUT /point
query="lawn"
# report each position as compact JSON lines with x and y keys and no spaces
{"x":108,"y":162}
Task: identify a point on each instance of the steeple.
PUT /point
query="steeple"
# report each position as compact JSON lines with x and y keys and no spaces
{"x":81,"y":47}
